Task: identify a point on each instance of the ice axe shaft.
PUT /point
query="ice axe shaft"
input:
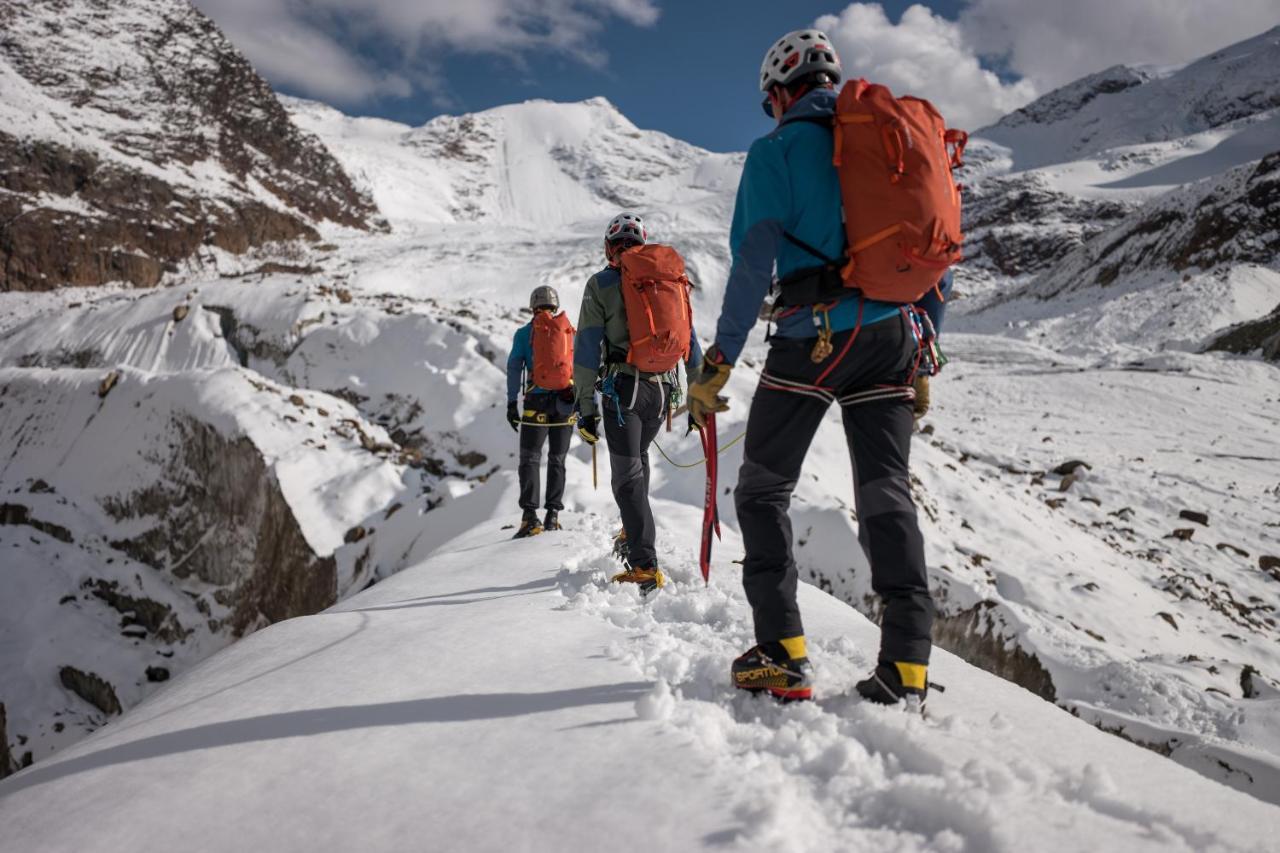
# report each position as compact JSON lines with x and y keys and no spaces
{"x":595,"y":475}
{"x":710,"y":515}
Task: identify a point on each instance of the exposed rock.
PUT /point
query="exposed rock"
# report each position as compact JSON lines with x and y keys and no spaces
{"x":1270,"y":564}
{"x":1262,"y":335}
{"x":355,"y":534}
{"x":157,"y":673}
{"x":157,"y":619}
{"x":168,"y":91}
{"x":7,"y":764}
{"x":1234,"y":549}
{"x":91,"y":689}
{"x":975,"y":636}
{"x":108,"y":382}
{"x":1201,"y":518}
{"x":471,"y":459}
{"x":1070,"y":466}
{"x":1182,"y":534}
{"x":180,"y":312}
{"x":219,"y":515}
{"x":1168,"y":617}
{"x":19,"y":514}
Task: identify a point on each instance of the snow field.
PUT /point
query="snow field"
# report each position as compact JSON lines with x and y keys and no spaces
{"x":505,"y":685}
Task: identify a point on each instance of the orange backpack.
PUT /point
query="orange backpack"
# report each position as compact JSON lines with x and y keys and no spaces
{"x":655,"y":295}
{"x":901,"y":206}
{"x":552,"y":351}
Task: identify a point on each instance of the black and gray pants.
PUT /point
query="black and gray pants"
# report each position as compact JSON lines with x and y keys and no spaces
{"x":550,"y":409}
{"x":643,"y":408}
{"x":869,"y":384}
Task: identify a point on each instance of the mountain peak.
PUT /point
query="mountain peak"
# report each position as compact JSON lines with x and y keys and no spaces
{"x":1128,"y":105}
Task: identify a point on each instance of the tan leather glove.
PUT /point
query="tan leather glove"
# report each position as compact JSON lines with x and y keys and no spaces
{"x":704,"y":391}
{"x":921,"y":406}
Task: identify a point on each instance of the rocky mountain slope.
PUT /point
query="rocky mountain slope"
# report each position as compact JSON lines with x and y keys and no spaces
{"x":1076,"y":162}
{"x":136,"y":142}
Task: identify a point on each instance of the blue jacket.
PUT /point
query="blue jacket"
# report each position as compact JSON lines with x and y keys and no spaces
{"x":520,"y":364}
{"x":788,"y":185}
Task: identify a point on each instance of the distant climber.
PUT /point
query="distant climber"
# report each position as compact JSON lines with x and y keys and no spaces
{"x":845,"y":331}
{"x":541,"y":365}
{"x":635,"y":327}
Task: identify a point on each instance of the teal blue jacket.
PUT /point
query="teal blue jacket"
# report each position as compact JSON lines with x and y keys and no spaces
{"x":520,"y":364}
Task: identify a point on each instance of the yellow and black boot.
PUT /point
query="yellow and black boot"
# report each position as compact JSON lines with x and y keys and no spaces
{"x":780,"y":669}
{"x":896,"y":681}
{"x":552,"y":521}
{"x":647,"y":579}
{"x":529,"y":525}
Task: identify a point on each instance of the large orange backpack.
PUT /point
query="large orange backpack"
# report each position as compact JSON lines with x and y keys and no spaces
{"x":901,"y":205}
{"x":655,"y":295}
{"x":552,"y":351}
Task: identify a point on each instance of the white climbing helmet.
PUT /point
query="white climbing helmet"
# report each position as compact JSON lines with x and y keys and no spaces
{"x":799,"y":54}
{"x":626,"y":226}
{"x":544,"y":297}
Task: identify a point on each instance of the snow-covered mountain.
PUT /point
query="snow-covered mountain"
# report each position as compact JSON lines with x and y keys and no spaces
{"x":135,"y":129}
{"x":1070,"y":166}
{"x":1122,"y":107}
{"x":1097,"y":531}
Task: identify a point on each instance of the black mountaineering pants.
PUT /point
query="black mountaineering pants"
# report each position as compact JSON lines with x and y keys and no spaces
{"x":550,"y":409}
{"x":644,"y":405}
{"x":868,"y":383}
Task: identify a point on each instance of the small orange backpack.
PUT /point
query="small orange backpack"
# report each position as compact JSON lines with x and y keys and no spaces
{"x":552,"y":351}
{"x":655,"y":295}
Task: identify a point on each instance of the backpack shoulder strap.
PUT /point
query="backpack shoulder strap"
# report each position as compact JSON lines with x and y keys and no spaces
{"x":800,"y":244}
{"x":822,"y":121}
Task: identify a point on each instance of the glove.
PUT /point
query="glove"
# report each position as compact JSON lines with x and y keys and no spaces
{"x":921,"y":406}
{"x":704,"y":392}
{"x":588,"y":428}
{"x":513,"y":416}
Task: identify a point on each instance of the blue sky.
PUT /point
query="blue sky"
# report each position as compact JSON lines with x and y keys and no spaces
{"x":692,"y":74}
{"x":688,"y":67}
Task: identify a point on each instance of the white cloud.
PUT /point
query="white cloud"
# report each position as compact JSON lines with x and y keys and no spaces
{"x":925,"y":55}
{"x":293,"y":42}
{"x":1052,"y":42}
{"x":1044,"y":43}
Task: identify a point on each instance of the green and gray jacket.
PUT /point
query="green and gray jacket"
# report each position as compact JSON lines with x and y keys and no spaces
{"x":603,"y":339}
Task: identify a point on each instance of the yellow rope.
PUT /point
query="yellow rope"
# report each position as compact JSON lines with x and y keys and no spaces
{"x":701,"y":461}
{"x":536,"y":424}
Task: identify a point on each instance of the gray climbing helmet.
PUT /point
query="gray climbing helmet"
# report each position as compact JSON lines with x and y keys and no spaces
{"x":544,"y":297}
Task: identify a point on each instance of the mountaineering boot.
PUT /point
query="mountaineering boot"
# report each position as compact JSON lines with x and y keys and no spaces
{"x":897,"y":681}
{"x":779,"y":668}
{"x":648,"y":579}
{"x":529,"y":525}
{"x":621,"y":549}
{"x":552,"y":521}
